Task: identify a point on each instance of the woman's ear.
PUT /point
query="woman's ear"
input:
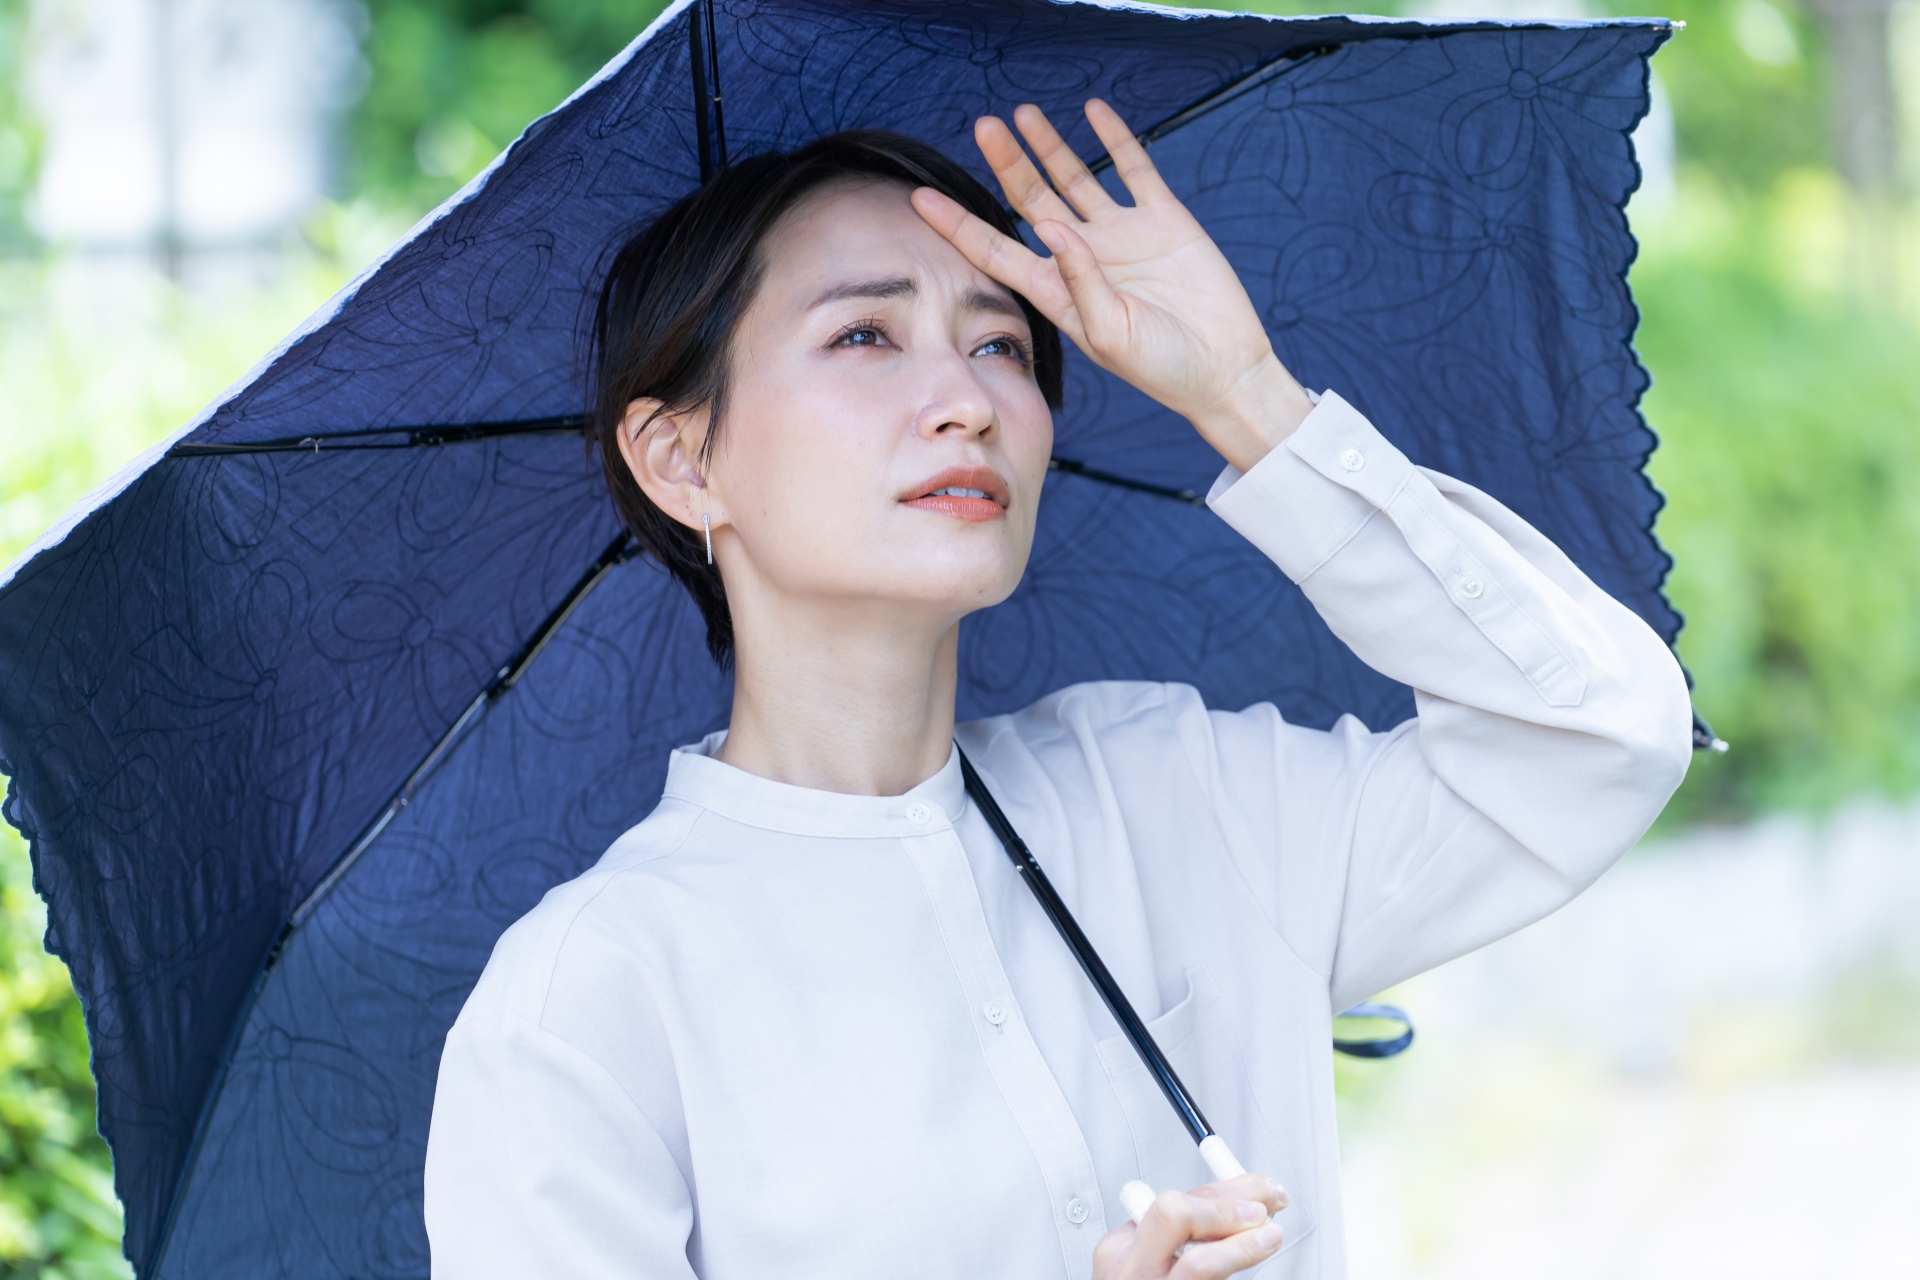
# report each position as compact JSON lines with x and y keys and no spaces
{"x":662,"y":450}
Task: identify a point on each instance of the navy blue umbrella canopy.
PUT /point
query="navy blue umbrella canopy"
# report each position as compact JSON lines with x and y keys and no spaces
{"x":301,"y":715}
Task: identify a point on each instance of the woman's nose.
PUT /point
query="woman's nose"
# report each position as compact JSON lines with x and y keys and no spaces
{"x":958,"y":403}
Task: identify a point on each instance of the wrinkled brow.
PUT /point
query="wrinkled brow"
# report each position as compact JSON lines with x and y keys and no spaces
{"x":995,"y":303}
{"x":904,"y":287}
{"x":892,"y":287}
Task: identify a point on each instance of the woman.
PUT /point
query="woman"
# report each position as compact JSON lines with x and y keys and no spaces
{"x":804,"y":1020}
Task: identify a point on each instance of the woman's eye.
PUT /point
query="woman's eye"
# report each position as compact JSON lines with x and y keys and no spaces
{"x":865,"y":336}
{"x":1002,"y":347}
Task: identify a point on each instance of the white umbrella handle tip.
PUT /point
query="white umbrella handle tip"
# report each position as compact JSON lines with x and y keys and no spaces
{"x":1220,"y":1160}
{"x":1136,"y":1198}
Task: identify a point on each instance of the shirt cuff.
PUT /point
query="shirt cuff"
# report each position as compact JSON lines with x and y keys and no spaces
{"x":1315,"y":490}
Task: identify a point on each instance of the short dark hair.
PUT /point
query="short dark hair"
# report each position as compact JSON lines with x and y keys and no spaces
{"x":676,"y":292}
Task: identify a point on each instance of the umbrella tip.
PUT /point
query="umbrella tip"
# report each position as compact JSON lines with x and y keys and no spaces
{"x":1136,"y":1198}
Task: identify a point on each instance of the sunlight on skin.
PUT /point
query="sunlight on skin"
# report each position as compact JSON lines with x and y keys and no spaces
{"x":851,"y":401}
{"x":879,"y":469}
{"x":842,"y":415}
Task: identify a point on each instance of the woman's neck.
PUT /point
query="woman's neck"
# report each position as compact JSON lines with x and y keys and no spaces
{"x":857,"y":705}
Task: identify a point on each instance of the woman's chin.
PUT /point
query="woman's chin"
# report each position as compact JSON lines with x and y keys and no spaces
{"x":947,"y":584}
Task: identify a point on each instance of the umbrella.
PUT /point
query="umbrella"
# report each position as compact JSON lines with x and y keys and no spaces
{"x":309,"y":704}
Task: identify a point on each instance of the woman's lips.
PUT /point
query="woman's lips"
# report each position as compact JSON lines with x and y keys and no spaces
{"x":970,"y":493}
{"x":959,"y":506}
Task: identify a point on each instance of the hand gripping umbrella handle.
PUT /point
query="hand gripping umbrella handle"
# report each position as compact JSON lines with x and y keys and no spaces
{"x":1135,"y":1196}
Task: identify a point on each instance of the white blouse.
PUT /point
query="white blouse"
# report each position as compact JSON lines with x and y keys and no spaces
{"x":783,"y":1032}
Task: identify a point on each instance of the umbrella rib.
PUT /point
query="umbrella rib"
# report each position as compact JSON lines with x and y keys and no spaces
{"x":1233,"y":89}
{"x":415,"y":437}
{"x":1074,"y":467}
{"x":710,"y":132}
{"x":572,"y":424}
{"x":618,"y":552}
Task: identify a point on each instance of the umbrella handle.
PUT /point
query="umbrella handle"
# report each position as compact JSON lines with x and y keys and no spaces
{"x":1136,"y":1197}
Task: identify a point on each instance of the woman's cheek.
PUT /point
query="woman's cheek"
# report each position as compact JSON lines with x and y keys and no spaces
{"x":1029,"y":429}
{"x":821,"y":477}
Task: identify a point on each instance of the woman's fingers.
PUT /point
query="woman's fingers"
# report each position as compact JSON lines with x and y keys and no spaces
{"x":1102,"y":312}
{"x":1025,"y":189}
{"x":1005,"y":259}
{"x":1144,"y":182}
{"x":1208,"y":1233}
{"x":1177,"y":1218}
{"x":1071,"y":177}
{"x":1248,"y":1186}
{"x":1220,"y":1258}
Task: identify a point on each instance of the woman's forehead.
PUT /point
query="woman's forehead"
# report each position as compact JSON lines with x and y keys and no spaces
{"x":853,"y":233}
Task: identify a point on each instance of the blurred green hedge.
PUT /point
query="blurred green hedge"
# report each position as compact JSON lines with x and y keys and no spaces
{"x":454,"y":81}
{"x":1788,"y":408}
{"x":58,"y":1214}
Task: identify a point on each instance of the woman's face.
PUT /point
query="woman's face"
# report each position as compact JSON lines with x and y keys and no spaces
{"x":884,"y":438}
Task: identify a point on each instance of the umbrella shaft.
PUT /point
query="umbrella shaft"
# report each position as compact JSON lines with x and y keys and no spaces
{"x":1096,"y":969}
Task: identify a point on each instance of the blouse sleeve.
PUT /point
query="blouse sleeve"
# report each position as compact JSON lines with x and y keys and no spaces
{"x":540,"y":1165}
{"x":1553,"y":723}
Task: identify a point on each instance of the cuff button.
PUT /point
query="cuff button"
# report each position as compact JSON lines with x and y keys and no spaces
{"x":1353,"y":459}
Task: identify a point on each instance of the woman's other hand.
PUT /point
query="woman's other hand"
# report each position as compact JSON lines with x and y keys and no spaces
{"x":1220,"y":1225}
{"x":1142,"y":289}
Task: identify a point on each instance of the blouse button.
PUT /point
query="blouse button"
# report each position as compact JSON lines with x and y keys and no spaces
{"x":993,"y":1011}
{"x":1076,"y":1211}
{"x":1353,"y":459}
{"x":1471,"y":587}
{"x":918,"y":814}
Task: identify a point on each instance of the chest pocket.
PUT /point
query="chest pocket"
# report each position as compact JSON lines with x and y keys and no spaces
{"x":1196,"y":1035}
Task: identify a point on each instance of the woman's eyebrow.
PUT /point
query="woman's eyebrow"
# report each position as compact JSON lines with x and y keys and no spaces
{"x":904,"y":287}
{"x":891,"y":287}
{"x":997,"y":303}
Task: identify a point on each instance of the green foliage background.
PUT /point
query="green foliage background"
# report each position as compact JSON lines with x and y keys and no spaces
{"x":1791,"y":462}
{"x":58,"y":1215}
{"x":454,"y":81}
{"x":1785,"y":394}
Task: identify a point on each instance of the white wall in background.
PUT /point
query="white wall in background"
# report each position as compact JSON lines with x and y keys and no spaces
{"x":187,"y":124}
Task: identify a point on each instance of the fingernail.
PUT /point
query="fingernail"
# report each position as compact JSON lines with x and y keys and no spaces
{"x":1278,"y":1193}
{"x":1250,"y":1211}
{"x":1268,"y":1237}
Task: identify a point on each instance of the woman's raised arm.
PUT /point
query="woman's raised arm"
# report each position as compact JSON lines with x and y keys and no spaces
{"x":1553,"y":724}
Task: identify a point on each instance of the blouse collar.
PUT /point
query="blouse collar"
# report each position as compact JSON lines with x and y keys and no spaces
{"x":695,"y":777}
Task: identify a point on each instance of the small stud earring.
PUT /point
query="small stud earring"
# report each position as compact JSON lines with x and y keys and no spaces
{"x":706,"y":522}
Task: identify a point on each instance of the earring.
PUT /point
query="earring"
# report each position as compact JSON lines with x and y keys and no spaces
{"x":706,"y":522}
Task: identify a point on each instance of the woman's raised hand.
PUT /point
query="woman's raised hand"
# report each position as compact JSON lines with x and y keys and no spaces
{"x":1219,"y":1224}
{"x":1142,"y":289}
